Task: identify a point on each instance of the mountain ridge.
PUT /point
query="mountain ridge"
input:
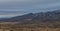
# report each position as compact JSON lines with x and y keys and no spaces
{"x":42,"y":16}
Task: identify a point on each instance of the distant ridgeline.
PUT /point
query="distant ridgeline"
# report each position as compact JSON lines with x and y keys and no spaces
{"x":51,"y":18}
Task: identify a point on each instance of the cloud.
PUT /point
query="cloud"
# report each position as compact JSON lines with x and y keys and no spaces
{"x":25,"y":4}
{"x":19,"y":7}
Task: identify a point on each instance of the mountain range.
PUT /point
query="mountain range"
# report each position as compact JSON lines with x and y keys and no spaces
{"x":50,"y":16}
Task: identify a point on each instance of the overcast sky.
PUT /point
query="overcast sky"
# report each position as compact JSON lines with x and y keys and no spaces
{"x":20,"y":7}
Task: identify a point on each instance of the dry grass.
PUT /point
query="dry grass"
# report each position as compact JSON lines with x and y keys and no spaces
{"x":33,"y":29}
{"x":40,"y":29}
{"x":26,"y":28}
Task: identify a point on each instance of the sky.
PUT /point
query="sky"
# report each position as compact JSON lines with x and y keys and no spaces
{"x":10,"y":8}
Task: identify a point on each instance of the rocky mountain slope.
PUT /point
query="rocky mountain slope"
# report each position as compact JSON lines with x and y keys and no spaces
{"x":36,"y":17}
